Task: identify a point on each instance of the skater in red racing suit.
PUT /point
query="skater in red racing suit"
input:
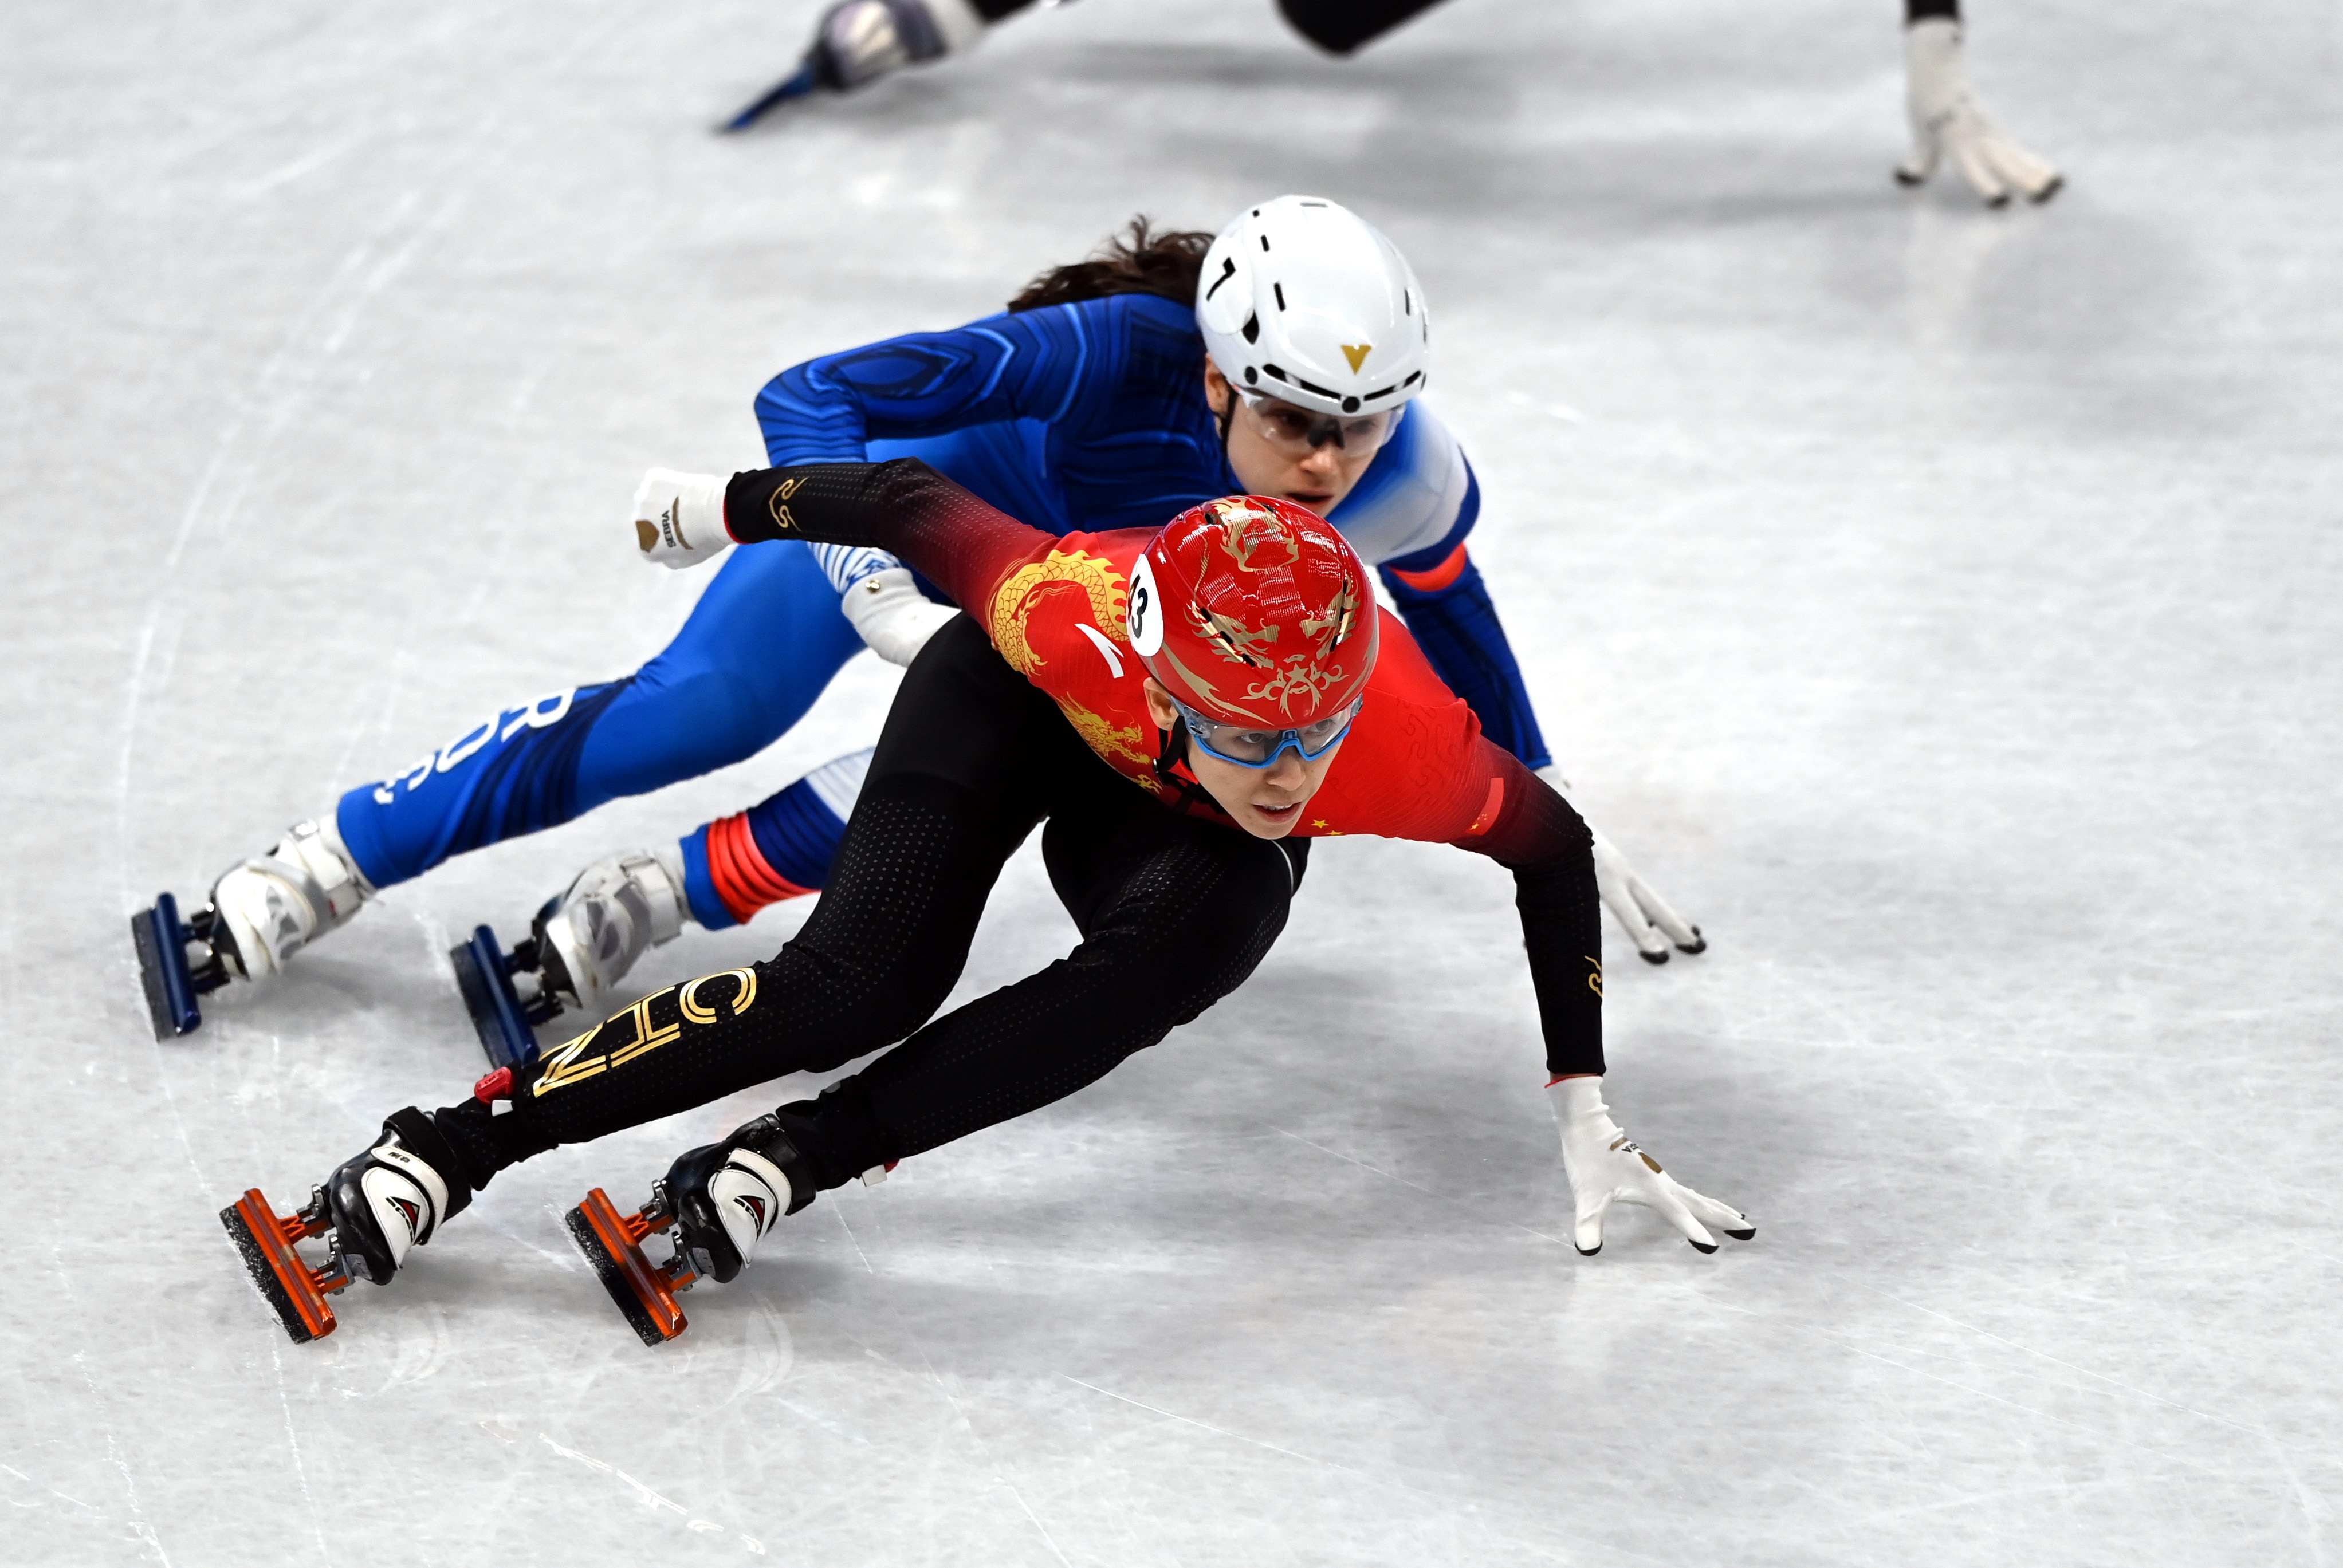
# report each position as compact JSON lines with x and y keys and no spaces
{"x":1184,"y":710}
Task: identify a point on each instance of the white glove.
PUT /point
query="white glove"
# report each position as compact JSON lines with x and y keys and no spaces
{"x":679,"y":518}
{"x":892,"y":615}
{"x":1606,"y":1167}
{"x":1647,"y":918}
{"x":1947,"y":121}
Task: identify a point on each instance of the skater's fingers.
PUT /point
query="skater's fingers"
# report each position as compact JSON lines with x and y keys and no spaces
{"x":1970,"y":156}
{"x":1681,"y":932}
{"x":1664,"y":1198}
{"x":1614,"y":884}
{"x":2034,"y":178}
{"x":1916,"y":169}
{"x":1587,"y":1230}
{"x":1720,"y":1216}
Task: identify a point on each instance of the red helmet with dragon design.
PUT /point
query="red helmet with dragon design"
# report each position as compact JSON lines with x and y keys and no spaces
{"x":1254,"y":612}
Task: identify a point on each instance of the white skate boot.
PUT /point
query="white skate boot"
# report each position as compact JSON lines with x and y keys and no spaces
{"x":615,"y":911}
{"x":268,"y":909}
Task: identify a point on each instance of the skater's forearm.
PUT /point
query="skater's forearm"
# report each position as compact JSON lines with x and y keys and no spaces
{"x":1542,"y":839}
{"x":903,"y":506}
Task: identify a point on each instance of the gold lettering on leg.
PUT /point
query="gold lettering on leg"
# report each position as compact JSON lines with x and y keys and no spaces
{"x":647,"y":1039}
{"x":570,"y":1064}
{"x":743,"y":994}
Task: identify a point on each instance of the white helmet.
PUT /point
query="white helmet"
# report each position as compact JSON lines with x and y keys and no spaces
{"x":1302,"y":300}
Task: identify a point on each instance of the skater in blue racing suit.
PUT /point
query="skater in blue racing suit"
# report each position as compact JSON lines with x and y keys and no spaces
{"x":1090,"y":404}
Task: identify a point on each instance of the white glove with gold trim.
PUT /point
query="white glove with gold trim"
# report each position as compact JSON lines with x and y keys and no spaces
{"x":1649,"y":920}
{"x":680,"y":518}
{"x":1606,"y":1167}
{"x":1947,"y":122}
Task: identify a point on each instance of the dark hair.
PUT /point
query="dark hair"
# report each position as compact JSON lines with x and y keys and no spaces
{"x":1136,"y":261}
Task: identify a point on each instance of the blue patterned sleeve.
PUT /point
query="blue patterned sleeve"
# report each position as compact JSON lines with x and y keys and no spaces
{"x":1042,"y":364}
{"x":1454,"y":621}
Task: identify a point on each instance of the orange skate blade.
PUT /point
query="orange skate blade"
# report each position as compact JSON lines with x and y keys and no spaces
{"x":289,"y":1286}
{"x":644,"y":1294}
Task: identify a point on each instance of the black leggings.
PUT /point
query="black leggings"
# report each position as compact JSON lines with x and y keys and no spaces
{"x":1174,"y":912}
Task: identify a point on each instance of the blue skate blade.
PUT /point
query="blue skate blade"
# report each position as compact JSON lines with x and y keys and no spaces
{"x":798,"y":86}
{"x":162,"y":944}
{"x":490,"y":998}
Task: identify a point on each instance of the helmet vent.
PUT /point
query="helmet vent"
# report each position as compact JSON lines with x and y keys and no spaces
{"x":1273,"y":370}
{"x":1264,"y":242}
{"x":1406,"y":300}
{"x":1350,"y":404}
{"x":1252,"y":375}
{"x":1252,"y":327}
{"x":1380,"y":392}
{"x":1280,"y":289}
{"x":1228,"y":271}
{"x":1413,"y":377}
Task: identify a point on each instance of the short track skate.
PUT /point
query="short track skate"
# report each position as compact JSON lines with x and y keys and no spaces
{"x":171,"y":983}
{"x":507,"y":1023}
{"x":296,"y":1292}
{"x":645,"y":1292}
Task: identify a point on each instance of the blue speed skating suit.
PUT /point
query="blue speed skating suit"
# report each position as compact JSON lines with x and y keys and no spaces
{"x":1085,"y":416}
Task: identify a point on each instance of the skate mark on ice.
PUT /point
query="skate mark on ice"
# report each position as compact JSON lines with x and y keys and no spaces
{"x":315,"y":1515}
{"x":650,"y":1499}
{"x":2115,"y":1382}
{"x":308,"y":163}
{"x":1221,"y":1430}
{"x":1047,"y":1539}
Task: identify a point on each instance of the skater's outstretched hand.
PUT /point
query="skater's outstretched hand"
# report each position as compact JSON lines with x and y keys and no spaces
{"x":1606,"y":1167}
{"x":1650,"y":921}
{"x":1947,"y":122}
{"x":679,"y":518}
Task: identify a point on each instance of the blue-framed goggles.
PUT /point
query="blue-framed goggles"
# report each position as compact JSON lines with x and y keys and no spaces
{"x":1250,"y":747}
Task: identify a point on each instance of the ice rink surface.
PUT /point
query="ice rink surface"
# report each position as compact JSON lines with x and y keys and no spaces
{"x":1941,"y":604}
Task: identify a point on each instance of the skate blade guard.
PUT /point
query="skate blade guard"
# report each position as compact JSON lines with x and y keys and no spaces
{"x":484,"y":973}
{"x":293,"y":1290}
{"x":170,"y":982}
{"x":643,"y":1292}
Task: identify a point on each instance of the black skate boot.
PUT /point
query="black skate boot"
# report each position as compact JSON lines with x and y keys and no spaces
{"x":717,"y":1203}
{"x":371,"y":1211}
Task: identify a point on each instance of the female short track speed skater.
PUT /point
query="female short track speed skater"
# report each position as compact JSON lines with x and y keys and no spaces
{"x":1284,"y":357}
{"x":1182,"y":709}
{"x":858,"y":41}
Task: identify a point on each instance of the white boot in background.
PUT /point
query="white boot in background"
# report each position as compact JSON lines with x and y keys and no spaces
{"x":1947,"y":122}
{"x":615,"y":911}
{"x":269,"y":908}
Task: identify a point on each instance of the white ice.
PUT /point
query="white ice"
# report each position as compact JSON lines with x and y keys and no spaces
{"x":1942,"y":605}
